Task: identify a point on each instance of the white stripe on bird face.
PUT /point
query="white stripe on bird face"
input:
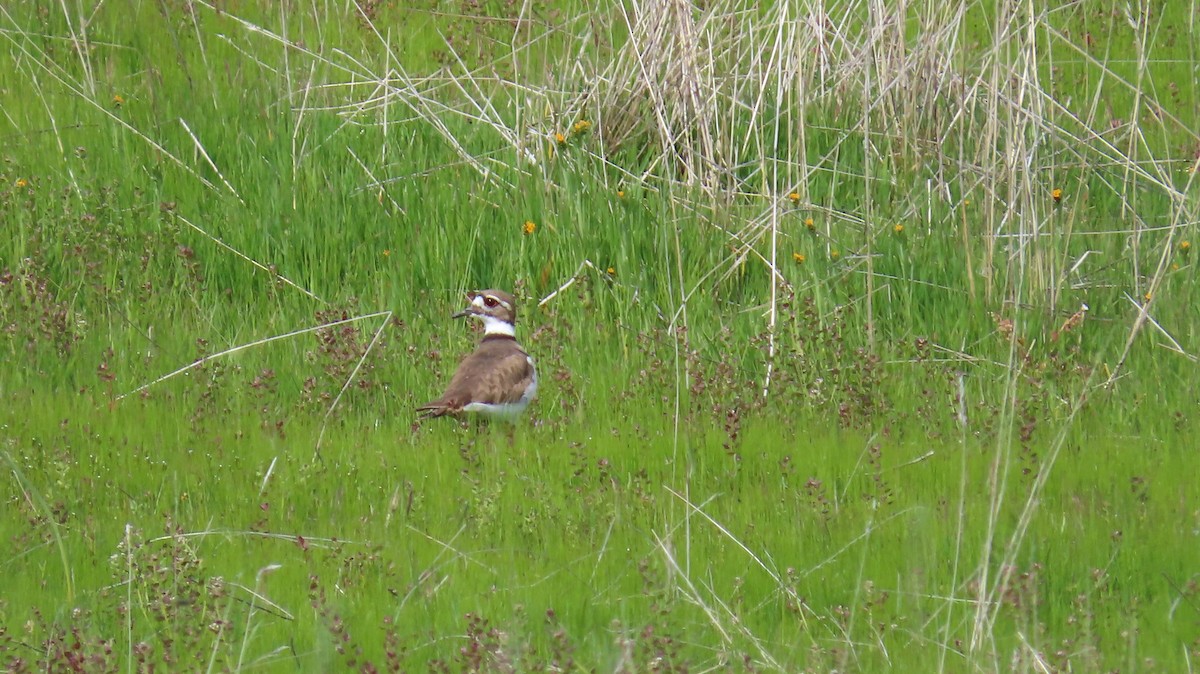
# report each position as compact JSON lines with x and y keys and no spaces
{"x":481,"y":301}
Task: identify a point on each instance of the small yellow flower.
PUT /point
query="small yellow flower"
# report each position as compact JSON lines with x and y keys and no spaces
{"x":795,"y":197}
{"x":529,"y":227}
{"x":1185,"y":246}
{"x":1056,"y":194}
{"x":118,"y":100}
{"x":21,"y":182}
{"x":559,"y":138}
{"x":612,"y":271}
{"x":620,"y":194}
{"x":387,"y":252}
{"x":798,"y":258}
{"x":898,"y":229}
{"x":833,"y":255}
{"x":581,"y":126}
{"x":1147,"y":296}
{"x":808,"y":222}
{"x":966,"y":202}
{"x":1174,"y":266}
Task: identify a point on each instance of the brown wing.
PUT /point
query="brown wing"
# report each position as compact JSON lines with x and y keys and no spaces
{"x":502,"y":380}
{"x":506,"y":380}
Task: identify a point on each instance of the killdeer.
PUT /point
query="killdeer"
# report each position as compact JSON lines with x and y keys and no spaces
{"x":1073,"y":321}
{"x":499,"y":379}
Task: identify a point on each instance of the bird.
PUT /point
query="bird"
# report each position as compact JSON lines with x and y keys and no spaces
{"x":1073,"y":321}
{"x":499,"y":379}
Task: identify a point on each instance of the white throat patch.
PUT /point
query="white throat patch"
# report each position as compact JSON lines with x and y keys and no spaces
{"x":495,"y":326}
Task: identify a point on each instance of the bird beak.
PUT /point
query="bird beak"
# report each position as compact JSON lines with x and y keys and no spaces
{"x":469,"y":311}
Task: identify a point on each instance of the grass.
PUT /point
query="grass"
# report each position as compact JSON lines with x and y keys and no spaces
{"x":797,"y":293}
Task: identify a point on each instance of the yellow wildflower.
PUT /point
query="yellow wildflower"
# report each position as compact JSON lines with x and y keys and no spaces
{"x":834,"y":254}
{"x":1056,"y":194}
{"x":1185,"y":246}
{"x":795,"y":197}
{"x":966,"y":202}
{"x":118,"y":100}
{"x":808,"y":222}
{"x":898,"y":229}
{"x":612,"y":271}
{"x":559,"y":138}
{"x":581,"y":126}
{"x":529,"y":227}
{"x":798,"y":258}
{"x":1147,"y":296}
{"x":620,"y":194}
{"x":387,"y":252}
{"x":21,"y":182}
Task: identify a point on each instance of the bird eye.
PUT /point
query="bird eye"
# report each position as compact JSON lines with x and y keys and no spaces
{"x":492,"y":302}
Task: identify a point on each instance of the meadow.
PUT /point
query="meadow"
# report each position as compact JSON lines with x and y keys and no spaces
{"x":866,"y":334}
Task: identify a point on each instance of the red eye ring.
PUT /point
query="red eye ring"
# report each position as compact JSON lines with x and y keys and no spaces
{"x":491,"y":302}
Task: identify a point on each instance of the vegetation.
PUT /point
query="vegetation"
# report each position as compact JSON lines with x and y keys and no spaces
{"x":865,"y":332}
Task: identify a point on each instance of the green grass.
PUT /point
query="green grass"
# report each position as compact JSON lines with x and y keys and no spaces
{"x":915,"y":491}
